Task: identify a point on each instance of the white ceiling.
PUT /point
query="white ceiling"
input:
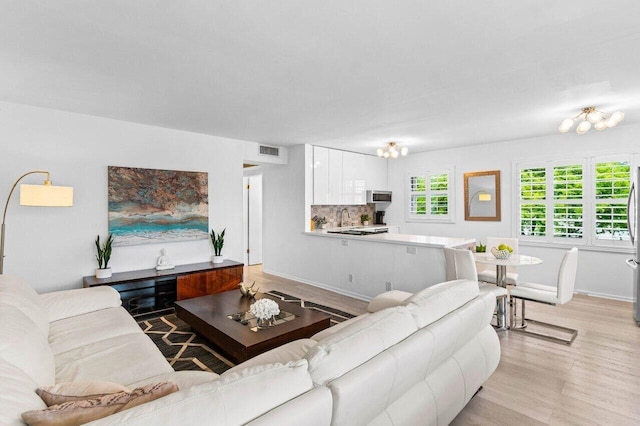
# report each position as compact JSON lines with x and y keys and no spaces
{"x":338,"y":73}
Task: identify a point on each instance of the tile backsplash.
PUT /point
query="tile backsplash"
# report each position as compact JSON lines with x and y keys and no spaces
{"x":331,"y":213}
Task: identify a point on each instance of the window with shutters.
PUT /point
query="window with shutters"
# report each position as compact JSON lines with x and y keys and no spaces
{"x":580,"y":202}
{"x":567,"y":201}
{"x":533,"y":207}
{"x":611,"y":188}
{"x":430,"y":196}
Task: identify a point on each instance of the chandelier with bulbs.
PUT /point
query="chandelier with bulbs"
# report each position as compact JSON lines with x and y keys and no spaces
{"x":590,"y":115}
{"x":392,"y":150}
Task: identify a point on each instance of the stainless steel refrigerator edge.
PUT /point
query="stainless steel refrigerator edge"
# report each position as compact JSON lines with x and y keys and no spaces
{"x":633,"y":221}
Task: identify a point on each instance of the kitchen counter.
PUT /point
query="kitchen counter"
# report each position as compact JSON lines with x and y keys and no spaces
{"x":364,"y":266}
{"x":393,"y":238}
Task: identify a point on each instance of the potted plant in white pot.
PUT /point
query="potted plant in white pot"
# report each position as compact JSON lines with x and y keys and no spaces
{"x":103,"y":256}
{"x":218,"y":242}
{"x":364,"y":219}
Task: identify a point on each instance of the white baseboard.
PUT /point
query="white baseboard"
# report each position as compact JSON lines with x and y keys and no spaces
{"x":319,"y":285}
{"x":605,"y":296}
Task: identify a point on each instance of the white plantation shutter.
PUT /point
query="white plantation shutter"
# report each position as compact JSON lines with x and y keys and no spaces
{"x":429,"y":196}
{"x":611,"y":188}
{"x":533,"y":207}
{"x":567,"y":201}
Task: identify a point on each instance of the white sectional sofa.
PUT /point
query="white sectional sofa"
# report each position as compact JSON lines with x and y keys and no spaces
{"x":419,"y":362}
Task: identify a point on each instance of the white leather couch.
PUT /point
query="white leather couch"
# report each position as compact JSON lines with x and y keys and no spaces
{"x":85,"y":335}
{"x":417,"y":363}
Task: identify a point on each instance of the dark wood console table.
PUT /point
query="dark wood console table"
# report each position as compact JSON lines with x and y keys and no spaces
{"x":147,"y":290}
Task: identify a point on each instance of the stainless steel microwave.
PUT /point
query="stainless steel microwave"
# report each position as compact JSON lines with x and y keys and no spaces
{"x":378,"y":196}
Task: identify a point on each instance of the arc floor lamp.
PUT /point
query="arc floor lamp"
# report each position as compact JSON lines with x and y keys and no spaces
{"x":45,"y":195}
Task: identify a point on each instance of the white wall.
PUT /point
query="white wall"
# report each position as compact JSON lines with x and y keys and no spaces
{"x":53,"y":248}
{"x":599,"y":273}
{"x":284,"y":215}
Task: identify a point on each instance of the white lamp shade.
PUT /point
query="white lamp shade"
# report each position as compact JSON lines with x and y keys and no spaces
{"x":617,"y":116}
{"x":601,"y":125}
{"x":566,"y":124}
{"x":583,"y":127}
{"x":594,"y":116}
{"x":46,"y":195}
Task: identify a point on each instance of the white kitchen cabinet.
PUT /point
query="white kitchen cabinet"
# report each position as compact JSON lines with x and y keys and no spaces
{"x":376,"y":173}
{"x":320,"y":175}
{"x":353,"y":178}
{"x":336,"y":173}
{"x":340,"y":177}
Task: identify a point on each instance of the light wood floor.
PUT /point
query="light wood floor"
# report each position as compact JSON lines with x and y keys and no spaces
{"x":595,"y":381}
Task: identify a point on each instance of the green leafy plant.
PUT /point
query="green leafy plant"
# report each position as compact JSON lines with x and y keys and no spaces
{"x":364,"y":218}
{"x":104,"y":252}
{"x":217,"y":241}
{"x":319,"y":220}
{"x":480,"y":248}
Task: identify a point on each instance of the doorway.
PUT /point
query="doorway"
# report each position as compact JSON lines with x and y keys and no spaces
{"x":252,"y":218}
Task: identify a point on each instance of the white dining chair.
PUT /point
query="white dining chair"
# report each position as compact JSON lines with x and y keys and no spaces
{"x":550,"y":295}
{"x":488,"y":273}
{"x":460,"y":264}
{"x":450,"y":264}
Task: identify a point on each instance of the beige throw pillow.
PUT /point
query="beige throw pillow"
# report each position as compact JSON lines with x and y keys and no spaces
{"x":83,"y":411}
{"x":74,"y":391}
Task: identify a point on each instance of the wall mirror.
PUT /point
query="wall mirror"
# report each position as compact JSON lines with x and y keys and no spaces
{"x":482,"y":195}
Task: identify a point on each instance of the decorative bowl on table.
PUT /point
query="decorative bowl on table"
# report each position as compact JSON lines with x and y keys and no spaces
{"x":500,"y":254}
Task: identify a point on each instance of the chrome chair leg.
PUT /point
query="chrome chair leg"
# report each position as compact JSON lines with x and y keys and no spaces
{"x":524,"y":322}
{"x":512,"y":313}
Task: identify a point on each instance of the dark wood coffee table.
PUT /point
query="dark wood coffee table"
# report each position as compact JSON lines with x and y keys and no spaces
{"x":207,"y":315}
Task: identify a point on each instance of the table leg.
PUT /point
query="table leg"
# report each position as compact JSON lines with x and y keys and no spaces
{"x":501,"y":275}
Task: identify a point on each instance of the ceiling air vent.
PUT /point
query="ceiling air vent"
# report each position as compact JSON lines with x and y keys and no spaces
{"x":269,"y":150}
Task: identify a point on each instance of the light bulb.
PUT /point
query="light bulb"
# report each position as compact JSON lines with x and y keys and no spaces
{"x":394,"y":154}
{"x":594,"y":116}
{"x":601,"y":125}
{"x":583,"y":127}
{"x":617,"y":116}
{"x":611,"y":122}
{"x":380,"y":152}
{"x":392,"y":148}
{"x":404,"y":151}
{"x":566,"y":125}
{"x":386,"y":154}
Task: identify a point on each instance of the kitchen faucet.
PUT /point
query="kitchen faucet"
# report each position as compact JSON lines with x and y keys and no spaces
{"x":342,"y":215}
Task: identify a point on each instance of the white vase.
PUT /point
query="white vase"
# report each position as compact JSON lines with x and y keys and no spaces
{"x":103,"y":273}
{"x":217,"y":259}
{"x":365,"y":223}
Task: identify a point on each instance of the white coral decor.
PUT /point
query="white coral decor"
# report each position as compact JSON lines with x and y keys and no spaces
{"x":264,"y":309}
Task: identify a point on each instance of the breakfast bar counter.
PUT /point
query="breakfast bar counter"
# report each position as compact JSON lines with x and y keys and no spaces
{"x":364,"y":266}
{"x":402,"y":239}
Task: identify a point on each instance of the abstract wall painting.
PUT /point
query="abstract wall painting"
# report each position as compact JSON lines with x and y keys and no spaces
{"x":149,"y":206}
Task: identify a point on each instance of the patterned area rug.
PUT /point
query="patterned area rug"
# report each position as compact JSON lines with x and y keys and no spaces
{"x":186,"y":350}
{"x":336,"y":315}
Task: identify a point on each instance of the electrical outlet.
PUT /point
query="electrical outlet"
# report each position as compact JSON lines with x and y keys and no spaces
{"x":388,"y":285}
{"x":350,"y":278}
{"x":412,"y":250}
{"x":345,"y":242}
